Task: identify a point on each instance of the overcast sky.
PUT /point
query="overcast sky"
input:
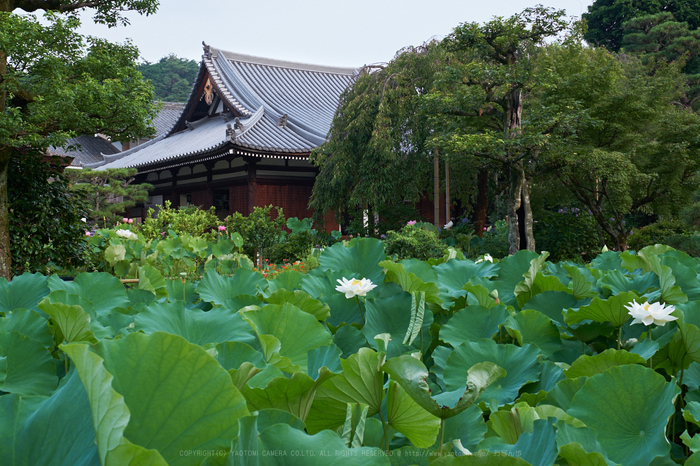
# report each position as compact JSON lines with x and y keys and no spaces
{"x":324,"y":32}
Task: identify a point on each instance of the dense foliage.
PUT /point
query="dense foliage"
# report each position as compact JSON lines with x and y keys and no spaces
{"x":47,"y":231}
{"x":172,"y":77}
{"x":521,"y":361}
{"x":55,"y":84}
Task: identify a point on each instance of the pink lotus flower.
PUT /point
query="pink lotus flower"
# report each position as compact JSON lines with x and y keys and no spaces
{"x":412,"y":222}
{"x":125,"y":220}
{"x":222,"y":228}
{"x":87,"y":233}
{"x":131,"y":220}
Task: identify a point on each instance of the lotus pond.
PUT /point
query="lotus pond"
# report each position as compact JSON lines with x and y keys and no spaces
{"x":517,"y":362}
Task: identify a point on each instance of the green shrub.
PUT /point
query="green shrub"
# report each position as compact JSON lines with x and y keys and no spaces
{"x":495,"y":241}
{"x":190,"y":220}
{"x":419,"y":240}
{"x":295,"y":247}
{"x":46,"y":231}
{"x":568,"y":234}
{"x":260,"y":232}
{"x":670,"y":232}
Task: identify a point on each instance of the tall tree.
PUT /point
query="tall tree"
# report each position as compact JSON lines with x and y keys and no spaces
{"x":172,"y":77}
{"x":55,"y":84}
{"x":483,"y":98}
{"x":605,"y":18}
{"x":632,"y":147}
{"x":376,"y":154}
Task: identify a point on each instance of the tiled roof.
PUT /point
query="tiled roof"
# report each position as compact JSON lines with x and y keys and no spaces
{"x":167,"y":117}
{"x":284,"y":107}
{"x":86,"y":150}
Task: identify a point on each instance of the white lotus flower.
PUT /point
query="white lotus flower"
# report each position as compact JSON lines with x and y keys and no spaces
{"x":355,"y":287}
{"x":127,"y":234}
{"x":650,"y":313}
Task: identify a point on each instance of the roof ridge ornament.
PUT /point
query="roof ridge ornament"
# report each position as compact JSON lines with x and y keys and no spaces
{"x":238,"y":124}
{"x":230,"y":133}
{"x":207,"y":50}
{"x":282,"y":121}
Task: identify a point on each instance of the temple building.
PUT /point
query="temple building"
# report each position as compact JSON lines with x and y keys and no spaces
{"x":243,"y":138}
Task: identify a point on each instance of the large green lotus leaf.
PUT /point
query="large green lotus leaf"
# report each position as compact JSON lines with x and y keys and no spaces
{"x":610,"y":310}
{"x":29,"y":367}
{"x":217,"y":289}
{"x":538,"y":448}
{"x":686,"y":276}
{"x":472,"y":324}
{"x":361,"y":256}
{"x":580,"y":446}
{"x":303,"y":301}
{"x":552,"y":304}
{"x":24,"y":291}
{"x":349,"y":339}
{"x":628,"y":406}
{"x":617,"y":282}
{"x":526,"y":290}
{"x":454,"y":274}
{"x":670,"y":292}
{"x":531,"y":326}
{"x":563,"y":393}
{"x":478,"y":295}
{"x":28,"y":322}
{"x":289,"y":280}
{"x":178,"y":291}
{"x":691,"y":379}
{"x":510,"y":424}
{"x":325,"y":356}
{"x":321,"y":285}
{"x":412,"y":375}
{"x":361,"y":381}
{"x":150,"y":279}
{"x":110,"y":415}
{"x":551,"y":374}
{"x":297,"y":332}
{"x":194,"y":325}
{"x":409,"y":418}
{"x":410,"y":282}
{"x":320,"y":449}
{"x":393,"y":316}
{"x":179,"y":397}
{"x":520,"y":364}
{"x":608,"y":260}
{"x":72,"y":321}
{"x":689,"y":325}
{"x":580,"y":285}
{"x":103,"y":290}
{"x":294,"y":395}
{"x":691,"y":412}
{"x":38,"y":430}
{"x":587,"y":366}
{"x":511,"y":273}
{"x":421,"y":269}
{"x":231,"y":354}
{"x":468,"y":427}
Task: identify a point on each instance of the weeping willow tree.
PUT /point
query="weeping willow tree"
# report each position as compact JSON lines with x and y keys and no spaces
{"x":377,"y":153}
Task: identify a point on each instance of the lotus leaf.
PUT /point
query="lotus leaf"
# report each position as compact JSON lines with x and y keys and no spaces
{"x":408,"y":417}
{"x":531,"y":326}
{"x":23,"y":292}
{"x":220,"y":290}
{"x":29,"y":368}
{"x":103,"y":290}
{"x":472,"y":324}
{"x":361,"y":257}
{"x":628,"y":406}
{"x":454,"y":274}
{"x":587,"y":366}
{"x":303,"y":301}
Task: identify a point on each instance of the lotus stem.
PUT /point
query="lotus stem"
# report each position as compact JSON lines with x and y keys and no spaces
{"x":66,"y":362}
{"x":359,"y":306}
{"x":385,"y":440}
{"x":651,"y":363}
{"x":619,"y":337}
{"x":442,"y":436}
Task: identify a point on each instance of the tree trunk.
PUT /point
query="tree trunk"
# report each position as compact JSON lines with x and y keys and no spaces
{"x":5,"y":258}
{"x":436,"y":190}
{"x":517,"y":179}
{"x":482,"y":202}
{"x":5,"y":156}
{"x":527,"y":211}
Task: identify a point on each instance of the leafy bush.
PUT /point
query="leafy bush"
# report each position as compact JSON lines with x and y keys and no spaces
{"x":191,"y":220}
{"x":568,"y":234}
{"x":46,"y":231}
{"x":259,"y":230}
{"x":419,"y":240}
{"x":294,"y":247}
{"x":495,"y":240}
{"x":671,"y":232}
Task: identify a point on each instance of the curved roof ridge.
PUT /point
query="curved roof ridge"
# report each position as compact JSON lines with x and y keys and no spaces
{"x":285,"y":64}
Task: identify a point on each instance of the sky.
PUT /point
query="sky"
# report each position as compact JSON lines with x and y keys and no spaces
{"x":324,"y":32}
